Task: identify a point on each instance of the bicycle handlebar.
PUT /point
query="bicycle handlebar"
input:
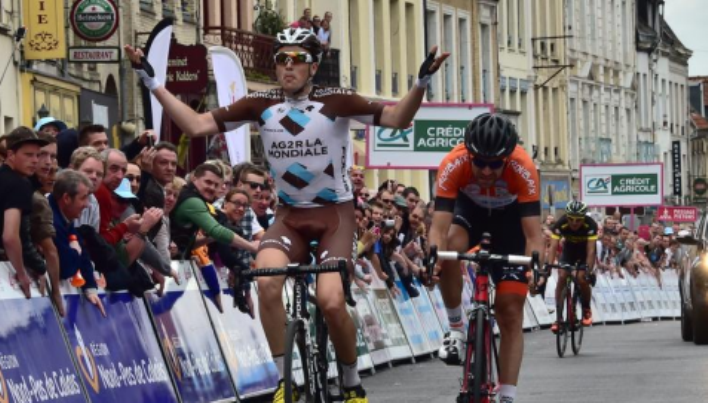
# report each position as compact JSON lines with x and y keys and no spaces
{"x":484,"y":257}
{"x":296,"y":270}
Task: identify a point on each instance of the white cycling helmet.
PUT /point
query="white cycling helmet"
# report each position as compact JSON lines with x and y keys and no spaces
{"x":303,"y":38}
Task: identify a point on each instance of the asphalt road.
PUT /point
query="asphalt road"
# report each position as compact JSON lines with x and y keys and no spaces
{"x":641,"y":362}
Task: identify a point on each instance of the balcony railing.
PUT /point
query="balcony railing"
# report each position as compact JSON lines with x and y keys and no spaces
{"x":256,"y":54}
{"x":328,"y":72}
{"x":254,"y":50}
{"x":355,"y":78}
{"x":394,"y":83}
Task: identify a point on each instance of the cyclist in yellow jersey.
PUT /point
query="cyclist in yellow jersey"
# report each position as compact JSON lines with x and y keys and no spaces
{"x":580,"y":233}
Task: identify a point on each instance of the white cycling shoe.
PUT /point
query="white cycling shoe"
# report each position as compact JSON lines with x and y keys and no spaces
{"x":452,"y":351}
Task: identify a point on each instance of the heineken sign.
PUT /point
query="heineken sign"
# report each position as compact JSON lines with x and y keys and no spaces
{"x":622,"y":184}
{"x":94,"y":20}
{"x":435,"y":131}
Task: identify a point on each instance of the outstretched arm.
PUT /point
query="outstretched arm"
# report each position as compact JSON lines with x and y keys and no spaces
{"x":193,"y":124}
{"x":401,"y":115}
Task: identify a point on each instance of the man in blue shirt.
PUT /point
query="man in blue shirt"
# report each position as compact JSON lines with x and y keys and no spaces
{"x":68,"y":199}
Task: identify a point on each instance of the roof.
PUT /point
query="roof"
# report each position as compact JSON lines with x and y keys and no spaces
{"x":700,"y":122}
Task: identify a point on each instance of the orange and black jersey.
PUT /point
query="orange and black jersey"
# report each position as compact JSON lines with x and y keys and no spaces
{"x":519,"y":183}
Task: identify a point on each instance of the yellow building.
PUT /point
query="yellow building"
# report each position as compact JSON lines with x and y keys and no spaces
{"x":10,"y":89}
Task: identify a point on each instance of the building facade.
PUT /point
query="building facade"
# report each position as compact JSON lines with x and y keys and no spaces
{"x":663,"y":99}
{"x":10,"y":89}
{"x":517,"y":76}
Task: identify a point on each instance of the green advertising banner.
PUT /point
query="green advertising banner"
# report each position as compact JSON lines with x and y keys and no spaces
{"x":635,"y":184}
{"x":438,"y":135}
{"x":622,"y":184}
{"x":436,"y":129}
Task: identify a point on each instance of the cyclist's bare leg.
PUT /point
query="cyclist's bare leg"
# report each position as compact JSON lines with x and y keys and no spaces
{"x":342,"y":332}
{"x":585,"y":290}
{"x":560,"y":285}
{"x":270,"y":297}
{"x":451,"y":277}
{"x":509,"y":310}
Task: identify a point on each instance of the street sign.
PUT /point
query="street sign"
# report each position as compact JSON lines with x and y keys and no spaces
{"x":94,"y":20}
{"x":677,"y":214}
{"x":676,"y":159}
{"x":98,"y":54}
{"x":622,"y":184}
{"x":436,"y":129}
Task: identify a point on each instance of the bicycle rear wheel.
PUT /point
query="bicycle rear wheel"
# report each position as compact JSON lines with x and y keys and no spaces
{"x":296,"y":369}
{"x":577,"y":335}
{"x":562,"y":312}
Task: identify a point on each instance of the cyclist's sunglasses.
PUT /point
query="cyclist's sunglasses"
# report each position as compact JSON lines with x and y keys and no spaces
{"x":283,"y":58}
{"x":492,"y":164}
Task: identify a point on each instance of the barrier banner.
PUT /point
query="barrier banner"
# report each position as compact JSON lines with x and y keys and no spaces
{"x":440,"y":312}
{"x":651,"y":299}
{"x":671,"y":287}
{"x":599,"y":297}
{"x":188,"y":339}
{"x":632,"y":312}
{"x":633,"y":284}
{"x":364,"y":361}
{"x":374,"y":332}
{"x":613,"y":300}
{"x":540,"y":310}
{"x":397,"y":345}
{"x":662,"y":297}
{"x":622,"y":305}
{"x":118,"y":356}
{"x":409,"y":319}
{"x":428,"y":318}
{"x":243,"y":342}
{"x":550,"y":297}
{"x":529,"y":318}
{"x":35,"y":365}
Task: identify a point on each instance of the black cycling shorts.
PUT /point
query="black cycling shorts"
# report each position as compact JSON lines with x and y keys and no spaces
{"x":504,"y":226}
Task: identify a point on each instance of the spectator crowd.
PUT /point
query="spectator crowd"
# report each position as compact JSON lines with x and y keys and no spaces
{"x":100,"y":217}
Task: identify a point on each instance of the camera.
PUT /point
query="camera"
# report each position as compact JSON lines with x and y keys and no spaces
{"x":390,"y":223}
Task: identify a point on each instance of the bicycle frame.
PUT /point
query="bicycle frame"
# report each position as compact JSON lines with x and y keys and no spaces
{"x":480,"y":337}
{"x":299,"y":312}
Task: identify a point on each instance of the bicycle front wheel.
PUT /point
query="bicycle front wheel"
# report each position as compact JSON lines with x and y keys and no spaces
{"x":296,"y":369}
{"x":562,"y":312}
{"x":327,"y":391}
{"x":577,"y":335}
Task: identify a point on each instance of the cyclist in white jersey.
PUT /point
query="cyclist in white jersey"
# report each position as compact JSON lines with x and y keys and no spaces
{"x":305,"y":132}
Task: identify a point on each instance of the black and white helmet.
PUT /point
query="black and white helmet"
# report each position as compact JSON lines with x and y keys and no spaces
{"x":576,"y":208}
{"x":303,"y":38}
{"x":490,"y":135}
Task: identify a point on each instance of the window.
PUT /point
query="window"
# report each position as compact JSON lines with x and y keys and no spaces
{"x":486,"y":40}
{"x":574,"y":138}
{"x":432,"y":24}
{"x":464,"y":52}
{"x":521,"y":21}
{"x":510,"y":26}
{"x":605,"y":150}
{"x":627,"y":30}
{"x":449,"y":66}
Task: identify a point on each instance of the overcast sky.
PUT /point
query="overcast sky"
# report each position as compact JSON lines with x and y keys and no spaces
{"x":689,"y":20}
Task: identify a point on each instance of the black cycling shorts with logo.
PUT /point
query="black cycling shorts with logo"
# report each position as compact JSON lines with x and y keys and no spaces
{"x":503,"y":224}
